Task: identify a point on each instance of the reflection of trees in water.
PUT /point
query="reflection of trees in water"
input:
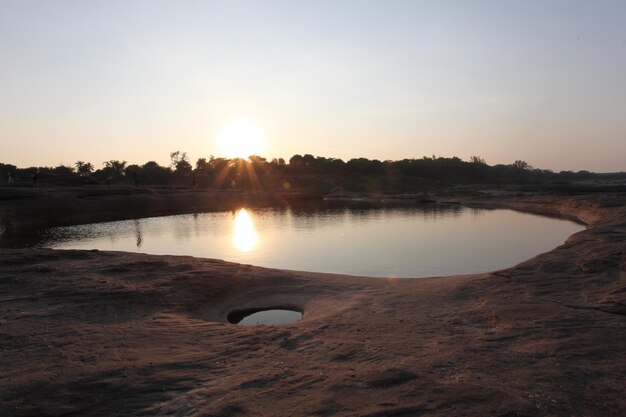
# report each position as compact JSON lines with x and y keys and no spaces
{"x":182,"y":230}
{"x":138,"y":233}
{"x":441,"y":211}
{"x":319,"y":215}
{"x":196,"y":224}
{"x":183,"y":227}
{"x":477,"y":212}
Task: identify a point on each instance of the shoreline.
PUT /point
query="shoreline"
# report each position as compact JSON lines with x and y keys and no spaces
{"x":113,"y":333}
{"x":29,"y":209}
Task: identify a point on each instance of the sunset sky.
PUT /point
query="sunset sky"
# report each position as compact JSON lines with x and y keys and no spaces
{"x":543,"y":81}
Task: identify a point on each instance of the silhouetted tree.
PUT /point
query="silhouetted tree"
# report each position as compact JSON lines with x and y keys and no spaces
{"x":311,"y":173}
{"x":202,"y":165}
{"x":204,"y":171}
{"x":180,"y":163}
{"x":5,"y":170}
{"x":153,"y":173}
{"x":114,"y":168}
{"x":132,"y":170}
{"x":521,"y":165}
{"x":296,"y":161}
{"x":364,"y":166}
{"x":62,"y":170}
{"x":84,"y":168}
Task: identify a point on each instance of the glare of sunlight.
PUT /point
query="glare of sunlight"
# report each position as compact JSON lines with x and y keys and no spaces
{"x":245,"y":236}
{"x":240,"y":139}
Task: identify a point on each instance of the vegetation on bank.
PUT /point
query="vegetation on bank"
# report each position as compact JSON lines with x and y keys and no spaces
{"x":300,"y":172}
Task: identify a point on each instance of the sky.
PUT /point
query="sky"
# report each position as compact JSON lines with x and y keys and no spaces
{"x":537,"y":80}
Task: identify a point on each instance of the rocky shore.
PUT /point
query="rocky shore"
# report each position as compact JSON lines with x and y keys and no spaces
{"x":91,"y":333}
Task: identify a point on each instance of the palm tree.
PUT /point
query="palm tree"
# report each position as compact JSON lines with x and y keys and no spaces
{"x":116,"y":168}
{"x":83,"y":168}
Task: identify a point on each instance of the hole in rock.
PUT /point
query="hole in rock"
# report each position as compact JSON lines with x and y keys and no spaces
{"x":265,"y":317}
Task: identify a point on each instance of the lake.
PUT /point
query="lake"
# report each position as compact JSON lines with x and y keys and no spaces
{"x":429,"y":240}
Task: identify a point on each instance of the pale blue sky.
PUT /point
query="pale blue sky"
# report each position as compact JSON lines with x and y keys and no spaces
{"x":543,"y":81}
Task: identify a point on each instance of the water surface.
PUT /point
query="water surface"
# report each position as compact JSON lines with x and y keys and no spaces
{"x":429,"y":240}
{"x":270,"y":318}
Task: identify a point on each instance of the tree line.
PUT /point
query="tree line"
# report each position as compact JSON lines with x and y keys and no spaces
{"x":302,"y":172}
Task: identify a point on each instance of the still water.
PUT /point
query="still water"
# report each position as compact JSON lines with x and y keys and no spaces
{"x":270,"y":318}
{"x":422,"y":241}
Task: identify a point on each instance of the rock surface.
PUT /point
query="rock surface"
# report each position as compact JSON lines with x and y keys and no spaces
{"x":90,"y":333}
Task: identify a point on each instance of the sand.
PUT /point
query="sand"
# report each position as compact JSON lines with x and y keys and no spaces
{"x":89,"y":333}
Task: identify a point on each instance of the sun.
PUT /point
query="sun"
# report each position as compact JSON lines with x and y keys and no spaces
{"x":240,"y":139}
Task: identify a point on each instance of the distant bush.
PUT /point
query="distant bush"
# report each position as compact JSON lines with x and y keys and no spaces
{"x":311,"y":173}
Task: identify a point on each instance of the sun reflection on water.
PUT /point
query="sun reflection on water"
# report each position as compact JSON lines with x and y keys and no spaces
{"x":245,"y":236}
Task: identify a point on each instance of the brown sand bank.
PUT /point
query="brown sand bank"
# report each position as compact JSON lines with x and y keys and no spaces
{"x":109,"y":333}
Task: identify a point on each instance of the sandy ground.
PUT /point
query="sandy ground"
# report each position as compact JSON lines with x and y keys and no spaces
{"x":88,"y":333}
